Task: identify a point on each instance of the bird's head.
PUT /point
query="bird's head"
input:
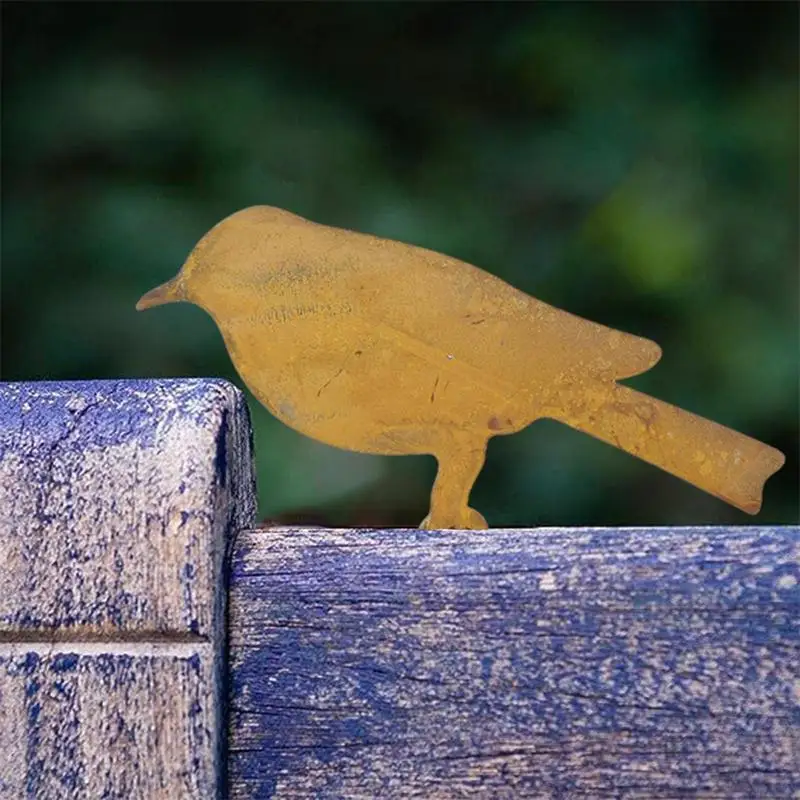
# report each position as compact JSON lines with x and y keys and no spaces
{"x":230,"y":262}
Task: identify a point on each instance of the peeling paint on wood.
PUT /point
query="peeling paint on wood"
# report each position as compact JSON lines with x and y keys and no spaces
{"x":648,"y":664}
{"x":117,"y":500}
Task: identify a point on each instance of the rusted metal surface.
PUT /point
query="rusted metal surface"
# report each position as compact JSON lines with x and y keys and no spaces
{"x":382,"y":347}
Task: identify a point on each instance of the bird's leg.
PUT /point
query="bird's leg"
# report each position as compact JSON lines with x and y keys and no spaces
{"x":457,"y":473}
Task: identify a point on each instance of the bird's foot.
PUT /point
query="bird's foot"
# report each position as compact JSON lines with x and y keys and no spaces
{"x":468,"y":519}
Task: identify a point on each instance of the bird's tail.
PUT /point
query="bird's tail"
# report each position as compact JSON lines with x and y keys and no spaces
{"x":714,"y":458}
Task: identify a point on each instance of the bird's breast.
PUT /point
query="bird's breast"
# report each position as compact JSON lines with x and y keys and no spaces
{"x":353,"y":384}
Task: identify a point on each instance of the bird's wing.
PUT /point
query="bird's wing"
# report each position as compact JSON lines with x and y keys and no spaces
{"x":463,"y":312}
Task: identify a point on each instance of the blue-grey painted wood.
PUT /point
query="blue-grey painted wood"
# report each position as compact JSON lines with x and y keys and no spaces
{"x":117,"y":500}
{"x":531,"y":663}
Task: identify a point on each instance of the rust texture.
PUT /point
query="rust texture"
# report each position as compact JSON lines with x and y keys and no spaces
{"x":382,"y":347}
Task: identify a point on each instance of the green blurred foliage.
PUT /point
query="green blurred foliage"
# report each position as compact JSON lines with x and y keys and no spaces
{"x":634,"y":163}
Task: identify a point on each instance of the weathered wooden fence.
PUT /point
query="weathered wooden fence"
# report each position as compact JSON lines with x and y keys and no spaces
{"x":633,"y":663}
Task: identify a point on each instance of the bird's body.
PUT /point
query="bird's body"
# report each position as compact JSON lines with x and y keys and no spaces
{"x":382,"y":347}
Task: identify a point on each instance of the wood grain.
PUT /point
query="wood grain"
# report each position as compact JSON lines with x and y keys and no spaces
{"x":117,"y":500}
{"x":660,"y":663}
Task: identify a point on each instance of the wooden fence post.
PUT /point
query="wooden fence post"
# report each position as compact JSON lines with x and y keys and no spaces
{"x":116,"y":502}
{"x":548,"y":663}
{"x":596,"y":663}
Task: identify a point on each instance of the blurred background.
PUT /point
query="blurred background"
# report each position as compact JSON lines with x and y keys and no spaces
{"x":636,"y":164}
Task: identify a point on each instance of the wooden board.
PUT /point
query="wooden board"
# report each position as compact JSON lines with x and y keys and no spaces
{"x":533,"y":663}
{"x":116,"y":503}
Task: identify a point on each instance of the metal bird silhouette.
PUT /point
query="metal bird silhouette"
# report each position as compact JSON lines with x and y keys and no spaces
{"x":376,"y":346}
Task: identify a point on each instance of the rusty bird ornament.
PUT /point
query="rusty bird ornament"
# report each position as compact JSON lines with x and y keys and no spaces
{"x":376,"y":346}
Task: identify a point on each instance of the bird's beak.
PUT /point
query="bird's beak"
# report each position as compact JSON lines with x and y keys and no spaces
{"x":169,"y":292}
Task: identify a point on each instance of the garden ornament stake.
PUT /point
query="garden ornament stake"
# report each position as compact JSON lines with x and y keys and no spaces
{"x":382,"y":347}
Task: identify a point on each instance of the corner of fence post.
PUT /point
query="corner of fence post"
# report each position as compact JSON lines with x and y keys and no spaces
{"x":118,"y":500}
